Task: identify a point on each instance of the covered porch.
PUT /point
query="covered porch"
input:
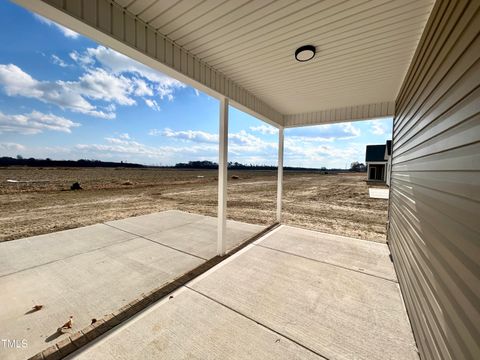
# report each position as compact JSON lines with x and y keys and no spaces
{"x":186,"y":41}
{"x":292,"y":294}
{"x":95,"y":271}
{"x":376,"y":172}
{"x":157,"y":289}
{"x":288,"y":295}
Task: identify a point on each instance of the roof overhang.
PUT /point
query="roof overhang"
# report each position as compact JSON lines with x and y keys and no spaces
{"x":244,"y":50}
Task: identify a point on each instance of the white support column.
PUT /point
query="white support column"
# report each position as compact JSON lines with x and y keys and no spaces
{"x":222,"y":177}
{"x":280,"y":174}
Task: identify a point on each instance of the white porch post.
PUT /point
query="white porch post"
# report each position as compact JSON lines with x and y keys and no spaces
{"x":222,"y":177}
{"x":280,"y":174}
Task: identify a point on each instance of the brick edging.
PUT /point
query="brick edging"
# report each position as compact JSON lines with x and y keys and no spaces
{"x":80,"y":338}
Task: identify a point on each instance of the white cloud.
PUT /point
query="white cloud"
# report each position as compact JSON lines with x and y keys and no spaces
{"x":17,"y":82}
{"x":34,"y":123}
{"x":310,"y":154}
{"x":121,"y":148}
{"x":325,"y":133}
{"x":196,"y":92}
{"x":152,"y":104}
{"x":97,"y":84}
{"x":67,"y":95}
{"x":243,"y":142}
{"x":191,"y":135}
{"x":56,"y":60}
{"x":81,"y":59}
{"x":118,"y":80}
{"x":163,"y":85}
{"x":154,"y":132}
{"x":240,"y":144}
{"x":265,"y":129}
{"x":66,"y":32}
{"x":9,"y":146}
{"x":349,"y":130}
{"x":378,"y":128}
{"x":142,"y":88}
{"x":110,"y":108}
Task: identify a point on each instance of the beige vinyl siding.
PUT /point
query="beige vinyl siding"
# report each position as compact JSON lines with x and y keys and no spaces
{"x":434,"y":216}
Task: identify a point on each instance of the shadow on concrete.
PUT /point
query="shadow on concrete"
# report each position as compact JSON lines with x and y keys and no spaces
{"x":55,"y":335}
{"x":31,"y":311}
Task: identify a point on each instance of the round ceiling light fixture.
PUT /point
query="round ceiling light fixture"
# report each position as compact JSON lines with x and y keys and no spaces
{"x":305,"y":53}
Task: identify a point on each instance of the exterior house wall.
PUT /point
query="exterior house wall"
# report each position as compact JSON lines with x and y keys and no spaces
{"x":434,"y":227}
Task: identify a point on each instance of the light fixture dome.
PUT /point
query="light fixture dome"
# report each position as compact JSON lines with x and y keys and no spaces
{"x":305,"y":53}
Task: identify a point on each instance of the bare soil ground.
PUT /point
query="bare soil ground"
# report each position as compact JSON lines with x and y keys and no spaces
{"x":332,"y":203}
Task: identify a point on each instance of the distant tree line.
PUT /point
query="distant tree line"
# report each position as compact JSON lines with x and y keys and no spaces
{"x":202,"y":164}
{"x":358,"y":167}
{"x":205,"y":164}
{"x":20,"y":161}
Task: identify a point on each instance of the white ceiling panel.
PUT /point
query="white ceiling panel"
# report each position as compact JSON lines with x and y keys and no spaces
{"x":364,"y":47}
{"x":244,"y":49}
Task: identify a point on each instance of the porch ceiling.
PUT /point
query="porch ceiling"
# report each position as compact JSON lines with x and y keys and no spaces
{"x":364,"y":48}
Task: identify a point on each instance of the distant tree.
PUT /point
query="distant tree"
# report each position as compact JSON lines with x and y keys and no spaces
{"x":358,"y":167}
{"x":197,"y":165}
{"x":19,"y":157}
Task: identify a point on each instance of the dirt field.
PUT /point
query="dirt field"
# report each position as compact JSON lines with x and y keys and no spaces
{"x":330,"y":203}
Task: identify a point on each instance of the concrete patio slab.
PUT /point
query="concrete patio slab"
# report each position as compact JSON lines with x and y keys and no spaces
{"x":89,"y":272}
{"x":378,"y":193}
{"x":86,"y":286}
{"x":335,"y":312}
{"x":264,"y":303}
{"x":200,"y":237}
{"x":30,"y":252}
{"x":365,"y":256}
{"x":145,"y":225}
{"x":191,"y":326}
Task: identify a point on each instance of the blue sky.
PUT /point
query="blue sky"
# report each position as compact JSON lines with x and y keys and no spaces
{"x":64,"y":96}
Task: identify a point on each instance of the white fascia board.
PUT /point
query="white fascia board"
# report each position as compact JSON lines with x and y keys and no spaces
{"x":109,"y":24}
{"x":337,"y":115}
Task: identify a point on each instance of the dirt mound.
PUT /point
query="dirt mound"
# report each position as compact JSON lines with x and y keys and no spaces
{"x":76,"y":186}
